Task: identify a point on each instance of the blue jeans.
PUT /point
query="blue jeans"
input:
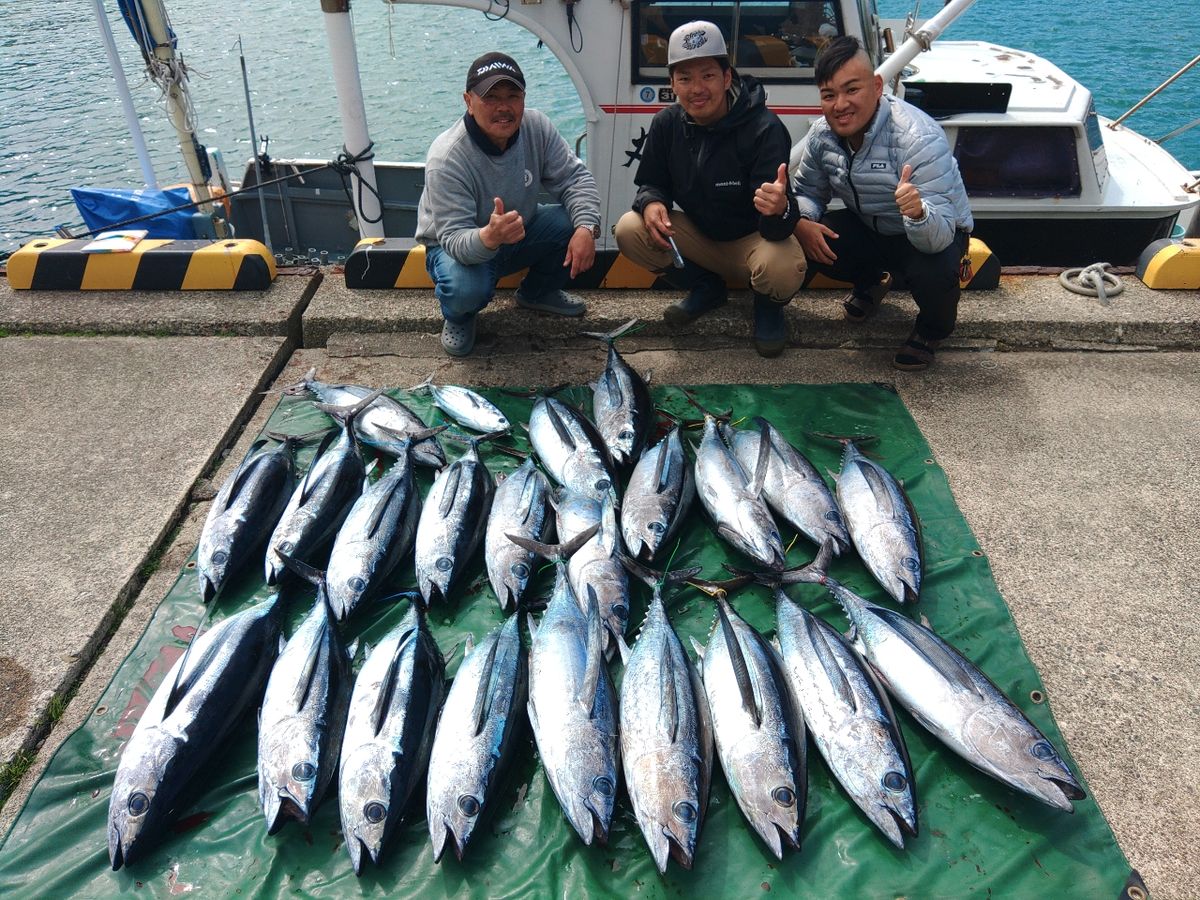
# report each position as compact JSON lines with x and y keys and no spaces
{"x":464,"y":290}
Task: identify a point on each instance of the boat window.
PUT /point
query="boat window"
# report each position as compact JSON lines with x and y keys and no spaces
{"x":773,"y":40}
{"x":1034,"y":161}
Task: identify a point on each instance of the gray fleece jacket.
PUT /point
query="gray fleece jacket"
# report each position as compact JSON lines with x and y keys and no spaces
{"x":461,"y":181}
{"x":866,"y":181}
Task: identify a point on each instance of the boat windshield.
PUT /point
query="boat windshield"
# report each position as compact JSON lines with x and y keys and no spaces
{"x":774,"y":40}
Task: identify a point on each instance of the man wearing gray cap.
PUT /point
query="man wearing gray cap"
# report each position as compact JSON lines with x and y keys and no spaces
{"x":479,"y":218}
{"x":720,"y":156}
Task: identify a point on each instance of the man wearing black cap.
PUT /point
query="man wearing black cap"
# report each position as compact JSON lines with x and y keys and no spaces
{"x":479,"y":218}
{"x":719,"y":155}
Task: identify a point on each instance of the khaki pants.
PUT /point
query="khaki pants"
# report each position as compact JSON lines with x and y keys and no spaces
{"x":774,"y":268}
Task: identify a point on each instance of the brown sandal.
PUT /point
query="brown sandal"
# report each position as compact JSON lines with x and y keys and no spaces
{"x":861,"y":305}
{"x":916,"y":355}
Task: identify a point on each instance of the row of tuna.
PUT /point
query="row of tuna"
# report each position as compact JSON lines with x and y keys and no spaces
{"x":749,"y":700}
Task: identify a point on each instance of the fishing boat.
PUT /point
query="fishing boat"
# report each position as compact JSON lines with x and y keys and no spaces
{"x":1051,"y":182}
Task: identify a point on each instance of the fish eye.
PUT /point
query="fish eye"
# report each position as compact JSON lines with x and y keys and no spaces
{"x":286,"y":547}
{"x":657,"y":527}
{"x":521,"y":570}
{"x":784,"y":796}
{"x":357,"y":585}
{"x":832,"y":515}
{"x":603,"y":785}
{"x":620,"y":611}
{"x":911,"y":564}
{"x":139,"y":803}
{"x":603,"y":484}
{"x":220,"y":557}
{"x":626,"y":434}
{"x":303,"y":771}
{"x":468,"y":805}
{"x":1042,"y":750}
{"x":443,"y":564}
{"x":375,"y":812}
{"x":685,"y":811}
{"x":894,"y":782}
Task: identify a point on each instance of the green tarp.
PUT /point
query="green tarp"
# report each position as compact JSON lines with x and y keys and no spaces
{"x":977,"y":837}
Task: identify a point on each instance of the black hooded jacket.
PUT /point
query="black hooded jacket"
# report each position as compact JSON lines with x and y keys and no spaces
{"x":711,"y":172}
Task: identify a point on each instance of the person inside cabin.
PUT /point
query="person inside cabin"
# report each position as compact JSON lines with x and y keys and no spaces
{"x":906,"y":207}
{"x":479,"y":218}
{"x":711,"y":164}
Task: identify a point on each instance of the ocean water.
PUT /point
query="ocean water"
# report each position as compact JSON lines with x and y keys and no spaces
{"x":61,"y":123}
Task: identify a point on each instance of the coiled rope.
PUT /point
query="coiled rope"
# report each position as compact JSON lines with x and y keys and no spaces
{"x":1093,"y":281}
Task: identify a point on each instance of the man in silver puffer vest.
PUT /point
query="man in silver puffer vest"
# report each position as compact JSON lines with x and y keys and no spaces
{"x":906,"y":207}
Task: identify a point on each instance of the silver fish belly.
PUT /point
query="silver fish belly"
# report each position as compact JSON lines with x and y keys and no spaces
{"x":740,"y":516}
{"x":302,"y":719}
{"x":476,"y":735}
{"x":518,"y":507}
{"x":658,"y":497}
{"x":469,"y":409}
{"x":595,"y":569}
{"x":389,"y":731}
{"x":572,"y":707}
{"x":452,"y":524}
{"x":666,"y":741}
{"x":793,"y":488}
{"x":849,"y":718}
{"x":243,"y":515}
{"x":571,"y":450}
{"x":881,"y":524}
{"x":759,"y":736}
{"x":377,"y":534}
{"x":201,"y":699}
{"x":952,"y":698}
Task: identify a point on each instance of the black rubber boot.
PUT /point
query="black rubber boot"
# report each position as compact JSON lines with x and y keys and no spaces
{"x":770,"y":326}
{"x":706,"y":292}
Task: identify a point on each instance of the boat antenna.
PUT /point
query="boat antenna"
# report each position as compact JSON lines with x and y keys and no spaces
{"x":262,"y":200}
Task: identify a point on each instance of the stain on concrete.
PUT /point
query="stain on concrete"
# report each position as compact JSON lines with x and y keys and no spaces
{"x":16,"y":685}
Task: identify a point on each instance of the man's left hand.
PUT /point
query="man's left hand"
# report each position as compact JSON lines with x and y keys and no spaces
{"x":581,"y":251}
{"x":771,"y":197}
{"x":908,"y":198}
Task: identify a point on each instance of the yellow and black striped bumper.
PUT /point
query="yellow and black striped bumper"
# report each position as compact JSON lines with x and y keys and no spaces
{"x":55,"y":264}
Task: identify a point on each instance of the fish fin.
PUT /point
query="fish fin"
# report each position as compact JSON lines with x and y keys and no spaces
{"x":668,"y":710}
{"x":304,"y":570}
{"x":698,"y":647}
{"x":737,"y":659}
{"x":829,"y":662}
{"x":480,"y":711}
{"x":529,"y":490}
{"x":378,"y":513}
{"x":608,"y":536}
{"x":564,"y":433}
{"x":662,"y":469}
{"x":588,"y":688}
{"x":764,"y":459}
{"x":880,"y":489}
{"x":556,"y":551}
{"x":451,"y":489}
{"x":383,"y":697}
{"x":182,"y":683}
{"x":941,"y":655}
{"x":468,"y":645}
{"x":308,"y":484}
{"x":309,"y":673}
{"x":427,"y":383}
{"x":238,"y":481}
{"x":532,"y":626}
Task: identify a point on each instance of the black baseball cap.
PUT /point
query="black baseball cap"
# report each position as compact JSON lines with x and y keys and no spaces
{"x":492,"y":68}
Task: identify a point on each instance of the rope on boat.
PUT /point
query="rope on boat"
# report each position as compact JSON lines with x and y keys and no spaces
{"x":1093,"y":281}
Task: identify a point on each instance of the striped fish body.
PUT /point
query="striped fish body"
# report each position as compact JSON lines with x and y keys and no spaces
{"x":622,"y":409}
{"x":881,"y":523}
{"x":519,"y":507}
{"x":389,"y":732}
{"x":595,"y":569}
{"x":571,"y":450}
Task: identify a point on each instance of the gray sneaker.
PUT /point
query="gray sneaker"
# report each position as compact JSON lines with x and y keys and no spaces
{"x":560,"y":303}
{"x":459,"y":339}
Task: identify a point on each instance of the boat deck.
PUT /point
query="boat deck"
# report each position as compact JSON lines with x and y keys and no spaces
{"x":1066,"y":429}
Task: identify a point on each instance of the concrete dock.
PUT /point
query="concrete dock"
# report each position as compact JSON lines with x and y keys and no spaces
{"x":1068,"y":430}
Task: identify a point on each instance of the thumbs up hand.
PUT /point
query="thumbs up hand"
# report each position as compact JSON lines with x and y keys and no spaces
{"x":502,"y":227}
{"x":771,"y":197}
{"x":908,"y":198}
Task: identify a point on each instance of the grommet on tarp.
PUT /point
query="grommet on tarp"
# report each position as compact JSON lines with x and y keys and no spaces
{"x":1135,"y":888}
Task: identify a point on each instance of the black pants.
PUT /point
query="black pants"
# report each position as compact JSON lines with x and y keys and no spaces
{"x":863,"y":255}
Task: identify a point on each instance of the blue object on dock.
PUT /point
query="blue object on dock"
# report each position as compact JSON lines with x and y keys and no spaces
{"x":103,"y":208}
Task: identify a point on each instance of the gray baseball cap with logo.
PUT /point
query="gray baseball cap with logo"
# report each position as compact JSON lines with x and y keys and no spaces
{"x":695,"y":40}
